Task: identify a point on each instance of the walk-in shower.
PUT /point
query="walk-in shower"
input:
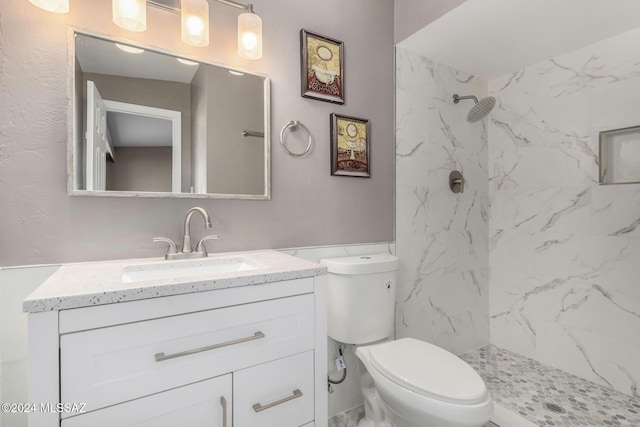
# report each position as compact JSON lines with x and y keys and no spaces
{"x":480,"y":110}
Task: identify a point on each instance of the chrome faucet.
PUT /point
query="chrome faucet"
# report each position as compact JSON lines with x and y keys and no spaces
{"x":187,"y":252}
{"x":186,"y":240}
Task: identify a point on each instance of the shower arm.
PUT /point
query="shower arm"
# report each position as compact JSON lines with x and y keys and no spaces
{"x":457,"y":98}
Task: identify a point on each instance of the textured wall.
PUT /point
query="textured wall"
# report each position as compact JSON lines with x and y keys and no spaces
{"x":441,"y":237}
{"x":413,"y":15}
{"x":565,"y":250}
{"x":41,"y":224}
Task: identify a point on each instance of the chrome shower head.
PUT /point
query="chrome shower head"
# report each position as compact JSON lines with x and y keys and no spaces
{"x":480,"y":110}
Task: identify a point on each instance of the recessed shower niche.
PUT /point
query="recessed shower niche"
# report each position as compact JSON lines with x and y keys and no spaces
{"x":620,"y":156}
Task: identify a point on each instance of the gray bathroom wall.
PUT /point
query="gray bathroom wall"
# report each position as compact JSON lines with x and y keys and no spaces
{"x":413,"y":15}
{"x":42,"y":224}
{"x":140,"y":169}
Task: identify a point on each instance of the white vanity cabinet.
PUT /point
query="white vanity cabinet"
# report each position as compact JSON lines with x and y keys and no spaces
{"x":247,"y":356}
{"x":206,"y":403}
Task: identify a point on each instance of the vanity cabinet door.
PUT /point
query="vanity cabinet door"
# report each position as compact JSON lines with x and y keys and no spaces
{"x":106,"y":366}
{"x":275,"y":394}
{"x":204,"y":404}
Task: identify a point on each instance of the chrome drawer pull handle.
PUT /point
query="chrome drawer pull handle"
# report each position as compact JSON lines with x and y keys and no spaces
{"x":259,"y":408}
{"x":161,"y":356}
{"x":223,"y":402}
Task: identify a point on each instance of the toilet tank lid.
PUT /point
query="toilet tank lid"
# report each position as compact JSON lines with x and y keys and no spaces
{"x":361,"y":264}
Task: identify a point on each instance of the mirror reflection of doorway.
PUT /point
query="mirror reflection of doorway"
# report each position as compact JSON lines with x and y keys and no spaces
{"x":142,"y":148}
{"x":134,"y":148}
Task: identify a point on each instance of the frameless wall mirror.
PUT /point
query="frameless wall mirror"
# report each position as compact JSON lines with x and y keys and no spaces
{"x":153,"y":124}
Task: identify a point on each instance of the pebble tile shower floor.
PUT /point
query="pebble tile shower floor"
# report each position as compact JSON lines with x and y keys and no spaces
{"x":523,"y":386}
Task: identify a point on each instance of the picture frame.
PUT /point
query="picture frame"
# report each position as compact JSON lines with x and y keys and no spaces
{"x":350,"y":146}
{"x":321,"y":67}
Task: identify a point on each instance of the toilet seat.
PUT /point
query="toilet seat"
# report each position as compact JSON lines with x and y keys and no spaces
{"x":429,"y":371}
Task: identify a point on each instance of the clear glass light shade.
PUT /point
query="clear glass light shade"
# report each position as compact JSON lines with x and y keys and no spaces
{"x":249,"y":36}
{"x":195,"y":22}
{"x":130,"y":14}
{"x":56,"y":6}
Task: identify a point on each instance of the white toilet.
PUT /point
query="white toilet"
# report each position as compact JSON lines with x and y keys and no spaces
{"x":408,"y":382}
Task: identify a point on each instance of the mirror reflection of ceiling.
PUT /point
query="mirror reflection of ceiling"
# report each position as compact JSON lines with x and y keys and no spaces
{"x":490,"y":38}
{"x":130,"y":130}
{"x":96,"y":56}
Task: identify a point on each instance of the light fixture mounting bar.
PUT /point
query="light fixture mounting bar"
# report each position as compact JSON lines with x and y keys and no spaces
{"x":247,"y":7}
{"x":168,"y":5}
{"x":174,"y":5}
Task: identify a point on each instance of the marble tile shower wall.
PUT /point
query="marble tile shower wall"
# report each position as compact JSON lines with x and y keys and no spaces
{"x":565,"y":251}
{"x":441,"y":237}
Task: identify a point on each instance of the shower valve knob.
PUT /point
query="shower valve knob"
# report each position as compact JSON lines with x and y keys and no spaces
{"x":456,"y":182}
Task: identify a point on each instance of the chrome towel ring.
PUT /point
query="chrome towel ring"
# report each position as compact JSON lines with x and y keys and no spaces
{"x":294,"y":125}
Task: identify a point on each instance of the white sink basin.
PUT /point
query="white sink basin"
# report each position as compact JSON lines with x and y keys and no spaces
{"x":177,"y":270}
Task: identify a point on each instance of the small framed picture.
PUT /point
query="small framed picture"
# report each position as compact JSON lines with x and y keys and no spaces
{"x":350,"y":146}
{"x":322,"y":67}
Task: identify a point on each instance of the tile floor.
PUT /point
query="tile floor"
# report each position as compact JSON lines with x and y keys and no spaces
{"x":550,"y":397}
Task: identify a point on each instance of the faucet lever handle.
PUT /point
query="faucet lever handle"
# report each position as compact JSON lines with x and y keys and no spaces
{"x":201,"y":247}
{"x":172,"y":245}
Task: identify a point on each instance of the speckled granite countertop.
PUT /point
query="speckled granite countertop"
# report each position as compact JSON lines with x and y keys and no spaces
{"x":95,"y":283}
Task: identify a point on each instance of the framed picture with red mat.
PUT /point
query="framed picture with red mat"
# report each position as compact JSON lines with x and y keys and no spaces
{"x":322,"y":67}
{"x":350,"y":146}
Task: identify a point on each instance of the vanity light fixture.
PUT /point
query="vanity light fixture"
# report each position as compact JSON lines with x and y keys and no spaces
{"x":130,"y":14}
{"x":195,"y":22}
{"x":55,"y":6}
{"x":249,"y":35}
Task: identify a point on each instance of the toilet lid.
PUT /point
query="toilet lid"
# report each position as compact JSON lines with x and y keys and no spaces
{"x":428,"y":370}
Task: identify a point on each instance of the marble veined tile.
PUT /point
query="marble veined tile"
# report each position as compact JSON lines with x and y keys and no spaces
{"x":449,"y":310}
{"x":441,"y":237}
{"x":348,"y":418}
{"x":540,"y":210}
{"x":601,"y":358}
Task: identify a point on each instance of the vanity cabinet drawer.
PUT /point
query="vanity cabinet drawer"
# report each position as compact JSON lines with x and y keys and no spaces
{"x":275,"y":394}
{"x":103,"y":367}
{"x":203,"y":404}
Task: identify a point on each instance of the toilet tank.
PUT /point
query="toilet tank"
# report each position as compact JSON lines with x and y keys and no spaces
{"x":361,"y":297}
